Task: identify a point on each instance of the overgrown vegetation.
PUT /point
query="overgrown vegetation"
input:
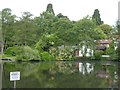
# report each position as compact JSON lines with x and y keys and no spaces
{"x":38,"y":38}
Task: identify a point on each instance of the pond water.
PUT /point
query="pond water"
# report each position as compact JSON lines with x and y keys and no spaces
{"x":62,"y":74}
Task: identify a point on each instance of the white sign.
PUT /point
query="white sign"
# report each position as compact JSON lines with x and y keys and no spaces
{"x":14,"y":76}
{"x":105,"y":55}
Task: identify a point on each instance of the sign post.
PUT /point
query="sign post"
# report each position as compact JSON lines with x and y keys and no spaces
{"x":15,"y":84}
{"x":14,"y":76}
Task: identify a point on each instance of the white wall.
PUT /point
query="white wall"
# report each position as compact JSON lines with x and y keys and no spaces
{"x":88,"y":54}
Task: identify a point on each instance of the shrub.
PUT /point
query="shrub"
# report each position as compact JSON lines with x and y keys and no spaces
{"x":46,"y":56}
{"x":13,"y":51}
{"x":28,"y":54}
{"x":98,"y":54}
{"x":23,"y":53}
{"x":112,"y":52}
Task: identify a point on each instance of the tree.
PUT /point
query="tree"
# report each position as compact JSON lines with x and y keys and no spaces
{"x":7,"y":27}
{"x":46,"y":41}
{"x":118,"y":27}
{"x":111,"y":51}
{"x":25,"y":30}
{"x":63,"y":29}
{"x":84,"y":30}
{"x":1,"y":38}
{"x":61,"y":16}
{"x":107,"y":29}
{"x":96,"y":17}
{"x":99,"y":34}
{"x":118,"y":49}
{"x":45,"y":23}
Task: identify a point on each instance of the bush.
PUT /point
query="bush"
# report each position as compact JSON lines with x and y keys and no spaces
{"x":46,"y":56}
{"x":23,"y":53}
{"x":98,"y":54}
{"x":112,"y":52}
{"x":13,"y":51}
{"x":118,"y":52}
{"x":29,"y":54}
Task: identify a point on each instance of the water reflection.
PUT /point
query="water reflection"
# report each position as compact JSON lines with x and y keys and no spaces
{"x":87,"y":68}
{"x":110,"y":77}
{"x":62,"y":74}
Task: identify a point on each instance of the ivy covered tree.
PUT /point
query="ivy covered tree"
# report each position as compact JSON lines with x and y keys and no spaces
{"x":96,"y":17}
{"x":50,"y":9}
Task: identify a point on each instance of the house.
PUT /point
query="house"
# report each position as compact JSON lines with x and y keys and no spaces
{"x":105,"y":43}
{"x":101,"y":47}
{"x":86,"y":51}
{"x":81,"y":52}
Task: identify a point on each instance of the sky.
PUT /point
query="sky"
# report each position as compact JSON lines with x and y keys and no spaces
{"x":74,"y":9}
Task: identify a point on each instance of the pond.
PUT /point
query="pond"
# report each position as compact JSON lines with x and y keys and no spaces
{"x":62,"y":74}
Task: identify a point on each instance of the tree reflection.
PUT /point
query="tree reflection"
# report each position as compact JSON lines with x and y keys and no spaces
{"x":60,"y":74}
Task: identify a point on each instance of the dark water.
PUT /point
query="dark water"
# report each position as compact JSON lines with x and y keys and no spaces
{"x":63,"y":74}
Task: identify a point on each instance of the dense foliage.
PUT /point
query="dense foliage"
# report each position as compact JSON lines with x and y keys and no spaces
{"x":49,"y":31}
